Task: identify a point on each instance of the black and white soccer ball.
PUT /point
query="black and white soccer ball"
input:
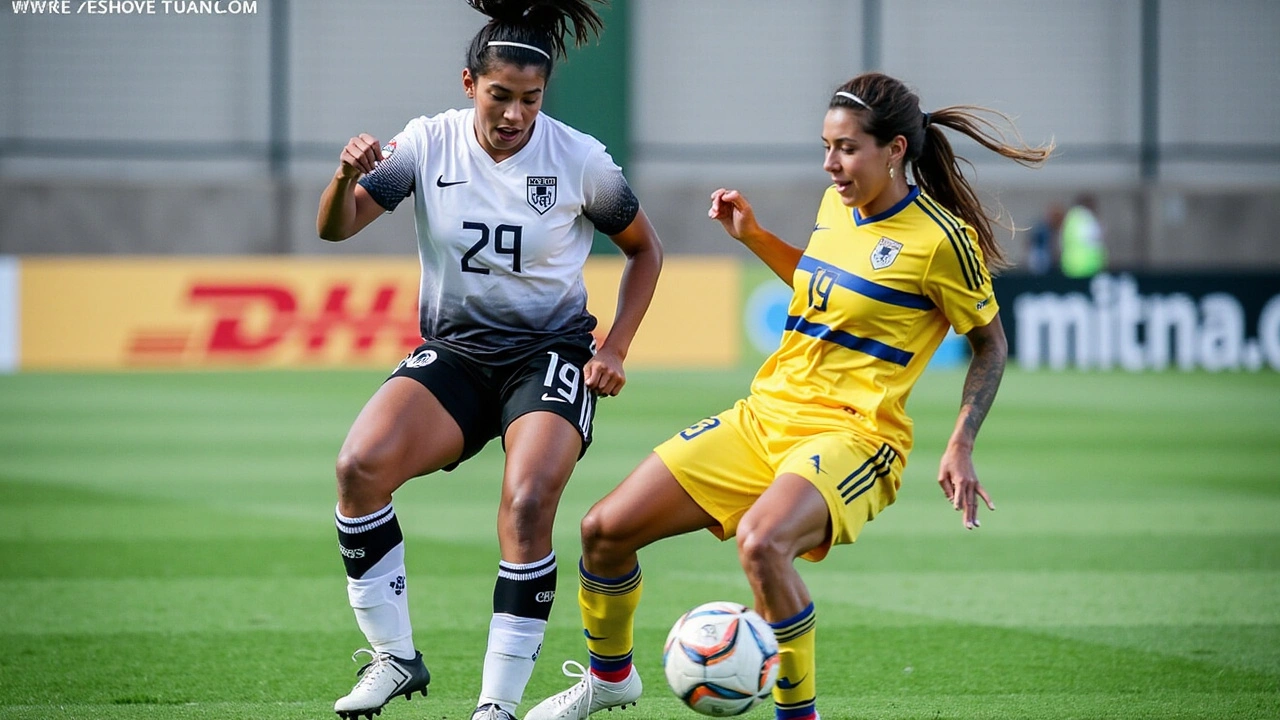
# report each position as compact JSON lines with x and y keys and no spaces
{"x":721,"y":659}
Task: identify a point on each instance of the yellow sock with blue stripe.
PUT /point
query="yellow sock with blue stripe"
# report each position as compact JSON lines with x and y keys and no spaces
{"x":608,"y":618}
{"x":795,"y":695}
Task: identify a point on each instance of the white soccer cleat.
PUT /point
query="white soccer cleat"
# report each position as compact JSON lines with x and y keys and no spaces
{"x":588,"y":696}
{"x":381,"y":679}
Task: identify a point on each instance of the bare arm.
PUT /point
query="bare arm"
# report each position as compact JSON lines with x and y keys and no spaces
{"x":956,"y":474}
{"x":345,"y":207}
{"x":739,"y":220}
{"x":639,"y":242}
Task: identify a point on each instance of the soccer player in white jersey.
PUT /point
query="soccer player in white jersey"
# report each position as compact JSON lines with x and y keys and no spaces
{"x":506,"y":201}
{"x":817,"y":448}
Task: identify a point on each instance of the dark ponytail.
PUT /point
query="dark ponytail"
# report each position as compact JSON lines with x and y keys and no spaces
{"x":891,"y":110}
{"x":540,"y":24}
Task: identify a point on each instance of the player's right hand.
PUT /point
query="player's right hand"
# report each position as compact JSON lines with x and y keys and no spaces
{"x":361,"y":156}
{"x":734,"y":213}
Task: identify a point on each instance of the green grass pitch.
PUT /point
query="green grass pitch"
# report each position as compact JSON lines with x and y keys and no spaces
{"x":169,"y":552}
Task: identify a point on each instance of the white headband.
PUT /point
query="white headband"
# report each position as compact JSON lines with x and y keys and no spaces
{"x":854,"y":98}
{"x":506,"y":43}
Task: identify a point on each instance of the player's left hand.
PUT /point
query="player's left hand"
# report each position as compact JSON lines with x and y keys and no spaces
{"x":959,"y":482}
{"x":603,"y":373}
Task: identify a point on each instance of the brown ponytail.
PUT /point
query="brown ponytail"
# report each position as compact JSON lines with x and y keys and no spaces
{"x":889,"y":109}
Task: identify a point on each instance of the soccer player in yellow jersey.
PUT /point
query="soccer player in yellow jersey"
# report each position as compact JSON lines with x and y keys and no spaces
{"x":817,"y":448}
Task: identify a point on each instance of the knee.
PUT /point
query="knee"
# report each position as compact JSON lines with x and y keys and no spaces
{"x":593,"y":530}
{"x":600,"y":539}
{"x":759,"y":548}
{"x":529,"y":506}
{"x":352,"y":468}
{"x":358,"y":478}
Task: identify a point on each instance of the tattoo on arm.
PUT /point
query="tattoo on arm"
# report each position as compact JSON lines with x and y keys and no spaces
{"x":980,"y":385}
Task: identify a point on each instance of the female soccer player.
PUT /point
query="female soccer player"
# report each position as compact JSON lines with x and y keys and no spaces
{"x":817,"y":448}
{"x":505,"y":200}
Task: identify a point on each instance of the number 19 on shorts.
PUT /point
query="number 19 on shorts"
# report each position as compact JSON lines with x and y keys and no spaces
{"x":563,"y":378}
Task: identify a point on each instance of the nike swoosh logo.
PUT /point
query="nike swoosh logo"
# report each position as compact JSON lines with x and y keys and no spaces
{"x":786,"y":684}
{"x":590,"y":636}
{"x":548,"y":398}
{"x":816,"y":228}
{"x":441,"y":183}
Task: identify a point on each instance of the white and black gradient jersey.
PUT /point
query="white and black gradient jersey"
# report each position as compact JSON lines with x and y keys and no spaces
{"x":502,"y":245}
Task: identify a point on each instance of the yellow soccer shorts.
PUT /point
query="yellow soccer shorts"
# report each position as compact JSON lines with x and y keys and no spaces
{"x":726,"y":462}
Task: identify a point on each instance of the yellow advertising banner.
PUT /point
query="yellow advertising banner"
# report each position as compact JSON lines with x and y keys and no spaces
{"x":189,"y":312}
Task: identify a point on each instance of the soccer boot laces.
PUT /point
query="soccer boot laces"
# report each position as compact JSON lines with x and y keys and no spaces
{"x":381,"y":679}
{"x":588,"y":696}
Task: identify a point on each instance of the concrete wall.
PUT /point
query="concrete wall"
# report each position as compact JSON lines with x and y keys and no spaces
{"x":151,"y":134}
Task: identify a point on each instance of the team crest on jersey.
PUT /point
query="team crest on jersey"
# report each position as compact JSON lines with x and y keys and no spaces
{"x":542,"y":193}
{"x":885,"y":253}
{"x":388,"y":150}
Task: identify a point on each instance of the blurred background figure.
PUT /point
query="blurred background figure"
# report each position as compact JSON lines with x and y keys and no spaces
{"x":1084,"y":252}
{"x":1043,"y":241}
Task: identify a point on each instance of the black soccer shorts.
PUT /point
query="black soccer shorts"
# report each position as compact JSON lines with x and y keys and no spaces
{"x":484,"y":398}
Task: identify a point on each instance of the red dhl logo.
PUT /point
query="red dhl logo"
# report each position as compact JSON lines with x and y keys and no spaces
{"x":251,"y":321}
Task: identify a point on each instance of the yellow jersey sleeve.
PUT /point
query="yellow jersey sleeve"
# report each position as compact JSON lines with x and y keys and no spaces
{"x":958,"y":283}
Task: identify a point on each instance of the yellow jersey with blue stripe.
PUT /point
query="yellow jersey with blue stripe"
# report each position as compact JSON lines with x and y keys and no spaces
{"x":873,"y":298}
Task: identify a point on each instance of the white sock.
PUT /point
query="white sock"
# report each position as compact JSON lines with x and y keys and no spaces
{"x":514,"y":644}
{"x":381,"y":604}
